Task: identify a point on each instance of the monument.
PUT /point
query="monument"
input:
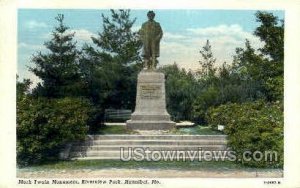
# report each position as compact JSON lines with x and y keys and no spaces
{"x":150,"y":109}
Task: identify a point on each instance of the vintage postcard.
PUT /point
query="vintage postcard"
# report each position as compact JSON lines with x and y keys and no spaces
{"x":168,"y":94}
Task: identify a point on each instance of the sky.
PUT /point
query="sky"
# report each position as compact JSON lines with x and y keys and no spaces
{"x":185,"y":33}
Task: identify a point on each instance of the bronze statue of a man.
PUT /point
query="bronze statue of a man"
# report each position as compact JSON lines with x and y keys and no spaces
{"x":150,"y":35}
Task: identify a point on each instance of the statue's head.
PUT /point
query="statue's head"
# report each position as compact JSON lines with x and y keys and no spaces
{"x":151,"y":15}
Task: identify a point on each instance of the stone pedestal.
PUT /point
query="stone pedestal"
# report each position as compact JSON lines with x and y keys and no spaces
{"x":150,"y":109}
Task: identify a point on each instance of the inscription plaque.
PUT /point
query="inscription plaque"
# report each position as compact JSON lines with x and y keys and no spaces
{"x":150,"y":91}
{"x":150,"y":111}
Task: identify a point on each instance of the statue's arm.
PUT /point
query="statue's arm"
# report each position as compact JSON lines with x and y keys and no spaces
{"x":160,"y":32}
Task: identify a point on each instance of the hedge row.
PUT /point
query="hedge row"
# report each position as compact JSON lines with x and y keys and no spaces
{"x":45,"y":125}
{"x":251,"y":126}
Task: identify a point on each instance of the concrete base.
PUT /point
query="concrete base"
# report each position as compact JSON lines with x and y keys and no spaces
{"x":150,"y":109}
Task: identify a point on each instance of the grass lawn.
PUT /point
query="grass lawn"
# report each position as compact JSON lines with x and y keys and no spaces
{"x":197,"y":130}
{"x":114,"y":129}
{"x":106,"y":164}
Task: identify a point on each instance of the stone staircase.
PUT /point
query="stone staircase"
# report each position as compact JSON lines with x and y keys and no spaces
{"x":109,"y":146}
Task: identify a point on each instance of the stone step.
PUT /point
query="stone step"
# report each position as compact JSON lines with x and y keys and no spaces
{"x":108,"y":146}
{"x":126,"y":152}
{"x":151,"y":142}
{"x":180,"y":158}
{"x":117,"y":157}
{"x":150,"y":147}
{"x":156,"y":137}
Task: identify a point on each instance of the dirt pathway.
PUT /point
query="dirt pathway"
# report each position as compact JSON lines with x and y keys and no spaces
{"x":149,"y":173}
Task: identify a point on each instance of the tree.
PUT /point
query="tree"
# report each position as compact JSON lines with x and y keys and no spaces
{"x":235,"y":87}
{"x":272,"y":34}
{"x":117,"y":39}
{"x":110,"y":69}
{"x":208,"y":92}
{"x":58,"y":69}
{"x":255,"y":118}
{"x":207,"y":62}
{"x":22,"y":88}
{"x":266,"y":67}
{"x":181,"y":90}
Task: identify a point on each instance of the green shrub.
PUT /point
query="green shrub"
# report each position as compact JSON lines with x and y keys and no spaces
{"x":204,"y":100}
{"x":181,"y":90}
{"x":221,"y":115}
{"x":45,"y":125}
{"x":251,"y":126}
